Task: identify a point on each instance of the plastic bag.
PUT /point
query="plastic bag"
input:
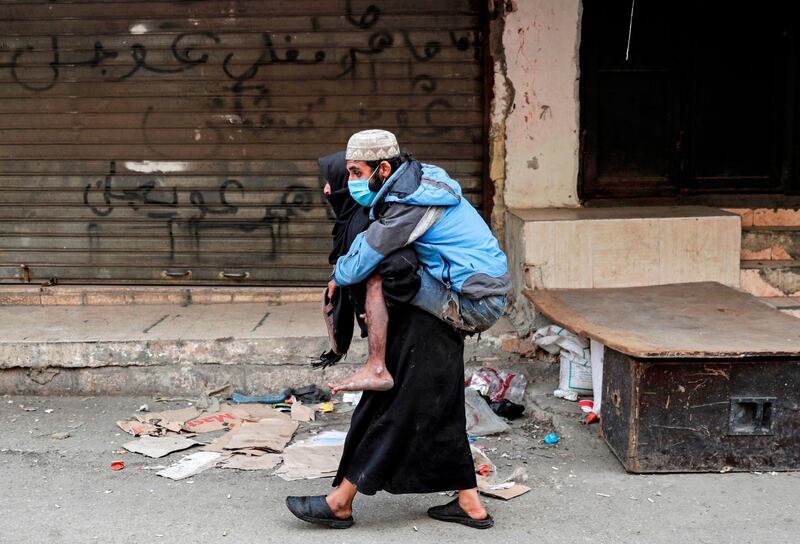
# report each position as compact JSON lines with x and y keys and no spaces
{"x":499,"y":385}
{"x":481,"y":421}
{"x":575,"y":376}
{"x":597,"y":356}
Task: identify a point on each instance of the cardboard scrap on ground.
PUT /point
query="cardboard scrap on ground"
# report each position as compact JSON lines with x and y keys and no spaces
{"x":317,"y":457}
{"x":159,"y":446}
{"x":256,"y":412}
{"x":267,"y":461}
{"x":172,"y":420}
{"x":301,"y":412}
{"x":219,"y":444}
{"x":137,"y":428}
{"x":309,"y":462}
{"x":223,"y":419}
{"x":192,"y":464}
{"x":505,"y":490}
{"x":265,"y":434}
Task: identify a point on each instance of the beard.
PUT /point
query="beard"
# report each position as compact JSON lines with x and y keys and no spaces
{"x":375,"y":183}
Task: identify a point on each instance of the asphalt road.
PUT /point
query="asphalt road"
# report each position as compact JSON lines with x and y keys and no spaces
{"x":62,"y":490}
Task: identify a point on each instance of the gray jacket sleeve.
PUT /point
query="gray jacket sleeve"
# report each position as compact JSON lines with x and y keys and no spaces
{"x":399,"y":226}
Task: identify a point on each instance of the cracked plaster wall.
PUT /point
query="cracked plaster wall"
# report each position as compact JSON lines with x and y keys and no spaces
{"x":535,"y":111}
{"x":535,"y":115}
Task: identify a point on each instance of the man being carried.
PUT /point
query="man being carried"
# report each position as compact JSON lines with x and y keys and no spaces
{"x":463,"y":273}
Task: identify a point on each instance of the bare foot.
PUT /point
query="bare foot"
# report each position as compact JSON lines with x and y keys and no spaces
{"x":369,"y":378}
{"x":340,"y":508}
{"x":470,"y":503}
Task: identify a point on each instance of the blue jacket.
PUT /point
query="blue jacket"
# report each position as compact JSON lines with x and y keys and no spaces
{"x":422,"y":206}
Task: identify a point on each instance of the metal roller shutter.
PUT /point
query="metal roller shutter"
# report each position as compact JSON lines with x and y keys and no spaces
{"x":176,"y":141}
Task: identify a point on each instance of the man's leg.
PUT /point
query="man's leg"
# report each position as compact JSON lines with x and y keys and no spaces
{"x":465,"y":314}
{"x":374,"y":376}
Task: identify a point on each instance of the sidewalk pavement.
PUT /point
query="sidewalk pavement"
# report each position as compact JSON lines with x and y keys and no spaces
{"x":146,"y":349}
{"x":63,"y":491}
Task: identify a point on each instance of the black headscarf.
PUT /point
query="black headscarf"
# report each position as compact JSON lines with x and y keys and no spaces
{"x":351,"y":217}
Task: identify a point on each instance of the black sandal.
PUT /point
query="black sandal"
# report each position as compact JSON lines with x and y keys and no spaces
{"x":316,"y":510}
{"x":452,"y":512}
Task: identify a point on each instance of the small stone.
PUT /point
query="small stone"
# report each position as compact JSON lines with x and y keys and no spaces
{"x":60,"y":436}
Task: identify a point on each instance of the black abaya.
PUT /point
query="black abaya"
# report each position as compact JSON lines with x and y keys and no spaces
{"x":351,"y":219}
{"x":413,"y":439}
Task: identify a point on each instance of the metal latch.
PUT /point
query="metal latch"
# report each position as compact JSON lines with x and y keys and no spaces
{"x":235,"y":275}
{"x":751,"y":415}
{"x":177,"y":273}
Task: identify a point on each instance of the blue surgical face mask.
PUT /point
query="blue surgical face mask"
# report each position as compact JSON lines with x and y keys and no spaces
{"x":359,"y":190}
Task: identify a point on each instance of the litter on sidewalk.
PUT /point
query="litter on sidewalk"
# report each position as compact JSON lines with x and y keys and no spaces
{"x":499,"y":385}
{"x":238,"y":398}
{"x":223,"y":419}
{"x":206,"y":398}
{"x":137,"y":428}
{"x":301,"y":412}
{"x":481,"y":420}
{"x":172,"y":420}
{"x":308,"y":394}
{"x":316,"y":457}
{"x":267,"y":434}
{"x":575,"y":376}
{"x":486,"y":472}
{"x":159,"y":446}
{"x":191,"y":464}
{"x":268,"y":461}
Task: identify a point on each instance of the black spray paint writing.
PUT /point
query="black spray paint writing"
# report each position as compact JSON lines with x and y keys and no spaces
{"x":245,"y":101}
{"x":158,"y":202}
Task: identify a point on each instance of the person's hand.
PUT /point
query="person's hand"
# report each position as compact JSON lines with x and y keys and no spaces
{"x":331,"y":288}
{"x":327,"y":189}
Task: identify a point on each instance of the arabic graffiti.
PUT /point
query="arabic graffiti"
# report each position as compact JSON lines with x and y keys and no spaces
{"x":241,"y":92}
{"x":159,"y":202}
{"x":183,"y":54}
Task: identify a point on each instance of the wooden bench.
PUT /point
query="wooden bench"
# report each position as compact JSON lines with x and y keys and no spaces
{"x":697,"y":376}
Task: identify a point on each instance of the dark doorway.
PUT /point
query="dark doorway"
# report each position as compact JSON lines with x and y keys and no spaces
{"x":704,"y":109}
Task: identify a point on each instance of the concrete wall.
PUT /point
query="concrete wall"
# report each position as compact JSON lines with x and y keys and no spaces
{"x":535,"y":114}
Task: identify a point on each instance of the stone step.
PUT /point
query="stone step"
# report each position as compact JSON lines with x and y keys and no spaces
{"x":174,"y":349}
{"x":770,"y":243}
{"x":123,"y":295}
{"x":771,"y":278}
{"x":788,"y":305}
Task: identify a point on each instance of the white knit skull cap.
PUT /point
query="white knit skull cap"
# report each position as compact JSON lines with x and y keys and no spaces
{"x":372,"y":145}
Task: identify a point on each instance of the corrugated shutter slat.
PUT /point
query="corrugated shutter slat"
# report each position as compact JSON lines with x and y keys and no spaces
{"x":168,"y":142}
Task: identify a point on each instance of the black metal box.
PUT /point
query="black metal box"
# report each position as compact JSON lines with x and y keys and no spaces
{"x":699,"y":415}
